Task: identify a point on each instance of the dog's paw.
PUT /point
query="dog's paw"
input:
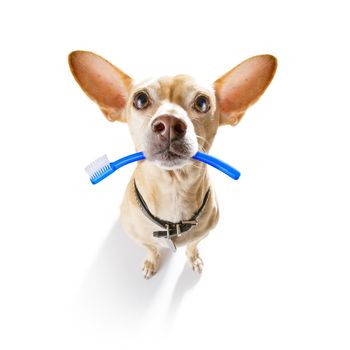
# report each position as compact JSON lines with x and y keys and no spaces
{"x":149,"y":269}
{"x":196,"y":263}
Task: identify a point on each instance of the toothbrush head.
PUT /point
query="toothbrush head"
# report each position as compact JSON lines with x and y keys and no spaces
{"x":99,"y":169}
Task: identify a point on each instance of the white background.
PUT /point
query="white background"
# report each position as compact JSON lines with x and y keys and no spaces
{"x":276,"y":272}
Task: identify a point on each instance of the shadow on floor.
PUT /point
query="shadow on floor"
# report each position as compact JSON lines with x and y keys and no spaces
{"x":186,"y":281}
{"x":114,"y":285}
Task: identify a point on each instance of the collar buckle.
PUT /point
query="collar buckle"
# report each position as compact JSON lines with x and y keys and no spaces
{"x":178,"y":230}
{"x":167,"y":227}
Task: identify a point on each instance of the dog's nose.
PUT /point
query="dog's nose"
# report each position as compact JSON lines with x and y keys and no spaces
{"x":169,"y":127}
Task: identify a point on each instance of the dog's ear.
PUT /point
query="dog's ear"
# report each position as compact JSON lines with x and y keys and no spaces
{"x":242,"y":86}
{"x":102,"y":82}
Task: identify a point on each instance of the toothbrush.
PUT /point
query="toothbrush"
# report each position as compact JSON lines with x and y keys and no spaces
{"x":101,"y":167}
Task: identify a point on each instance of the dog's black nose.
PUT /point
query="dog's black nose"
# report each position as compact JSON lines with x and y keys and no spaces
{"x":169,"y":127}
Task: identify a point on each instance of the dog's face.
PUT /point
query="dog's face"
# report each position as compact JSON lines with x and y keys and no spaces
{"x":171,"y":118}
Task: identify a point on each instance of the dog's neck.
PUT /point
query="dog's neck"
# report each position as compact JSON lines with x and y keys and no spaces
{"x":172,"y":195}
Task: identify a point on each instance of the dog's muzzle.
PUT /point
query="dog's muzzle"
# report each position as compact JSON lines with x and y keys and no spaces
{"x":168,"y":142}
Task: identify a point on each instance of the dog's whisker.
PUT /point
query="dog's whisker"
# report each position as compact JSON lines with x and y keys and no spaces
{"x":201,"y":138}
{"x":201,"y":148}
{"x":204,"y":142}
{"x":195,"y":166}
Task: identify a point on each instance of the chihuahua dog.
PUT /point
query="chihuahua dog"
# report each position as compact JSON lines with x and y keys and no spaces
{"x":170,"y":119}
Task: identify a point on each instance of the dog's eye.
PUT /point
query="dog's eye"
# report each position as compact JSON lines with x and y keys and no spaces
{"x":201,"y":104}
{"x":141,"y":100}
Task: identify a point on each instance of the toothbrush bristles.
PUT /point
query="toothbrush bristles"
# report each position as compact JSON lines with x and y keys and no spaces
{"x":99,"y":167}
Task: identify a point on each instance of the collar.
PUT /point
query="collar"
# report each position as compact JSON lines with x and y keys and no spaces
{"x":172,"y":229}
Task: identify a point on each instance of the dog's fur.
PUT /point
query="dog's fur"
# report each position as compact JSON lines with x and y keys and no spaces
{"x":172,"y":185}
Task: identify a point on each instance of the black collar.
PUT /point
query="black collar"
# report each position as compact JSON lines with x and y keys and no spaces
{"x":172,"y":228}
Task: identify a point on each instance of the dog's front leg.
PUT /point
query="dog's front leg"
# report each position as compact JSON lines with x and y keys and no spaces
{"x":151,"y":263}
{"x":194,"y":259}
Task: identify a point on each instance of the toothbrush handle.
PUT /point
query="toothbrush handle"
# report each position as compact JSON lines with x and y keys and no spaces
{"x":126,"y":160}
{"x":218,"y":164}
{"x":202,"y":157}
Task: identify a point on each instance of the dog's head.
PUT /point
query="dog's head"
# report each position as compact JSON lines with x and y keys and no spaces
{"x":171,"y":118}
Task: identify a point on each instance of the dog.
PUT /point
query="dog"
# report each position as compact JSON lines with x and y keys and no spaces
{"x":170,"y":119}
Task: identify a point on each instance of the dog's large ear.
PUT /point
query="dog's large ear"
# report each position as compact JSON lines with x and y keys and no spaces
{"x":242,"y":86}
{"x":102,"y":82}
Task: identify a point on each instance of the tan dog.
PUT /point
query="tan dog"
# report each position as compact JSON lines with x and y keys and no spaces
{"x":170,"y":119}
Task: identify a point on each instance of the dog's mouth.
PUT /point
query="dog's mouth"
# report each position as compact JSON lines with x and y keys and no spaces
{"x":171,"y":157}
{"x":168,"y":155}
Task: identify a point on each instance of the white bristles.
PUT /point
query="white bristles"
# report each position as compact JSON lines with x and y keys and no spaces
{"x":98,"y":167}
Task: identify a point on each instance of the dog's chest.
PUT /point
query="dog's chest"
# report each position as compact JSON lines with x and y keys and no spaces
{"x":174,"y":205}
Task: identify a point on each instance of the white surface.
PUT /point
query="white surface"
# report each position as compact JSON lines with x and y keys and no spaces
{"x":276,"y":272}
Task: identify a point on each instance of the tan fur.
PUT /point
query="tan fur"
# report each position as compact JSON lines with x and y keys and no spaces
{"x":172,"y":195}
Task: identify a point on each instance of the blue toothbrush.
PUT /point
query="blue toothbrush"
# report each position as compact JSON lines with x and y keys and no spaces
{"x":101,"y":167}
